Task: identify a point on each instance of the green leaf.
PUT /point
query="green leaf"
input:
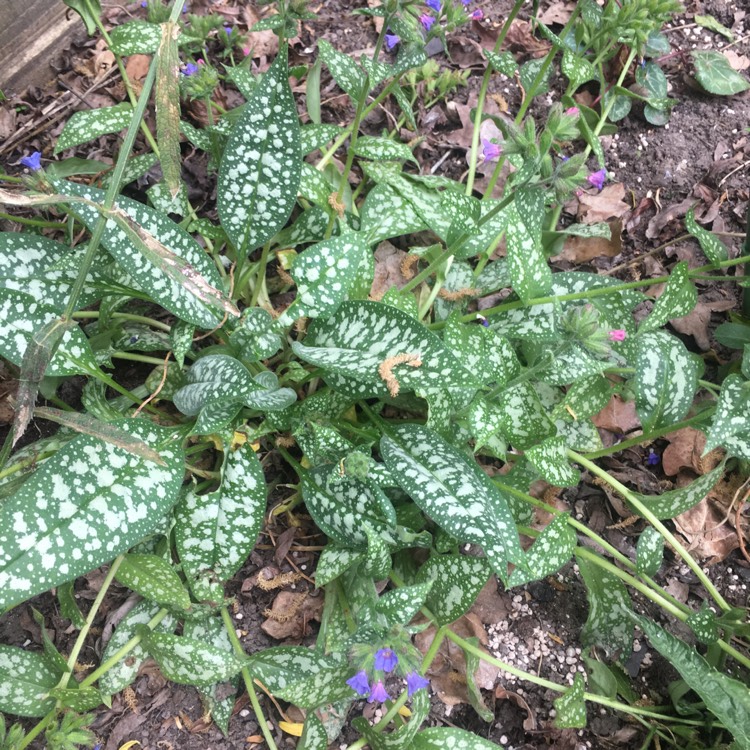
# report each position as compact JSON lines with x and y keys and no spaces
{"x":255,"y":336}
{"x":403,"y":736}
{"x":301,"y":676}
{"x":26,"y":677}
{"x":399,"y":606}
{"x":325,"y":274}
{"x":386,"y":213}
{"x":153,"y":578}
{"x":261,"y":167}
{"x":189,"y":661}
{"x":571,"y":706}
{"x":456,"y":583}
{"x":608,"y":624}
{"x":88,"y":124}
{"x":713,"y":248}
{"x":135,"y":38}
{"x":550,"y":460}
{"x":726,"y":698}
{"x":79,"y":699}
{"x":345,"y":71}
{"x":442,"y":738}
{"x":83,"y":507}
{"x":314,"y":735}
{"x":377,"y":561}
{"x":315,"y":136}
{"x":678,"y":298}
{"x":666,"y":378}
{"x":504,"y":62}
{"x":525,"y":421}
{"x":334,"y":561}
{"x":528,"y":73}
{"x":714,"y":72}
{"x":704,"y":624}
{"x":22,"y":316}
{"x":475,"y":694}
{"x":709,"y":22}
{"x":649,"y":552}
{"x":576,"y":69}
{"x":550,"y":551}
{"x":124,"y":671}
{"x":382,"y":149}
{"x":373,"y":343}
{"x":216,"y":532}
{"x":90,"y":12}
{"x":730,"y":427}
{"x":340,"y":505}
{"x":672,"y":503}
{"x":585,"y":398}
{"x":529,"y":270}
{"x":161,"y":270}
{"x":454,"y":492}
{"x":167,"y":105}
{"x":733,"y":335}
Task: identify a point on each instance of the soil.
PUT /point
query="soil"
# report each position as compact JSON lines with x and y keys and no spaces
{"x":702,"y":155}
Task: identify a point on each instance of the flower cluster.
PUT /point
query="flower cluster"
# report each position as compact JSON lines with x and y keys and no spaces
{"x":439,"y":6}
{"x":373,"y":686}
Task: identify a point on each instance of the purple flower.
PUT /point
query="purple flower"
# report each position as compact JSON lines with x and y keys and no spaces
{"x":465,"y":2}
{"x":572,"y":111}
{"x":190,"y":69}
{"x":391,"y":40}
{"x":414,"y":682}
{"x":228,"y":30}
{"x":434,"y":4}
{"x":490,"y":150}
{"x":386,"y":660}
{"x":33,"y":162}
{"x":597,"y":179}
{"x":619,"y":334}
{"x":378,"y":694}
{"x":359,"y":683}
{"x":477,"y":15}
{"x":144,"y":4}
{"x":653,"y":458}
{"x":426,"y":21}
{"x":185,"y":8}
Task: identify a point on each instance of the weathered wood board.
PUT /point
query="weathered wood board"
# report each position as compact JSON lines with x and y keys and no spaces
{"x":32,"y":32}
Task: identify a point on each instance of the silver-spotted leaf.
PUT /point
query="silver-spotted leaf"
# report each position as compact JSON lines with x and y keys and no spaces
{"x":713,"y":248}
{"x":189,"y":661}
{"x":124,"y":671}
{"x":571,"y":706}
{"x":525,"y":420}
{"x":454,"y":492}
{"x":549,"y":552}
{"x":456,"y":583}
{"x":333,"y":561}
{"x":386,"y":213}
{"x":88,"y":124}
{"x":314,"y":735}
{"x":385,"y":149}
{"x":608,"y":624}
{"x":347,"y":74}
{"x":716,"y":75}
{"x":260,"y":169}
{"x":666,"y":378}
{"x":135,"y":38}
{"x":399,"y":606}
{"x":732,"y":413}
{"x":444,"y":738}
{"x":84,"y":506}
{"x":649,"y":552}
{"x":215,"y":532}
{"x":301,"y":676}
{"x":550,"y":460}
{"x":153,"y":578}
{"x":678,"y":298}
{"x":26,"y":677}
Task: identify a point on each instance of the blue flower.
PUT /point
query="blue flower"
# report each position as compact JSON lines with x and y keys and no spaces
{"x":228,"y":30}
{"x":434,"y":4}
{"x":378,"y":693}
{"x":653,"y":458}
{"x":414,"y":682}
{"x":391,"y":40}
{"x":426,"y":21}
{"x":190,"y":69}
{"x":490,"y":150}
{"x":144,"y":4}
{"x":597,"y":179}
{"x":386,"y":660}
{"x":465,"y":2}
{"x":33,"y":162}
{"x":359,"y":683}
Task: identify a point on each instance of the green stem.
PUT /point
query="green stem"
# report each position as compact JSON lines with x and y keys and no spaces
{"x":260,"y":277}
{"x":94,"y":315}
{"x":426,"y":272}
{"x":33,"y":222}
{"x":246,"y":676}
{"x":655,"y":522}
{"x":137,"y":358}
{"x":483,"y":97}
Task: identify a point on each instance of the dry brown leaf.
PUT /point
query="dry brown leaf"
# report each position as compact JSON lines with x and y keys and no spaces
{"x":696,"y":322}
{"x":388,"y":270}
{"x":707,"y":537}
{"x":583,"y":249}
{"x":618,"y":416}
{"x":603,"y":206}
{"x":290,"y":615}
{"x":261,"y":43}
{"x":377,"y":20}
{"x":8,"y":117}
{"x":675,"y":211}
{"x":137,"y":68}
{"x":465,"y":52}
{"x":559,"y":12}
{"x":738,"y":62}
{"x":521,"y":39}
{"x":684,"y":451}
{"x":678,"y":589}
{"x":529,"y":723}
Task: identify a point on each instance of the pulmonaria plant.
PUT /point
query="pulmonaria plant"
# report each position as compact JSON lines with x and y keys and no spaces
{"x":411,"y":422}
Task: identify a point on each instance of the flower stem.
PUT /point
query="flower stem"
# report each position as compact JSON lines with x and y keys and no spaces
{"x":655,"y":522}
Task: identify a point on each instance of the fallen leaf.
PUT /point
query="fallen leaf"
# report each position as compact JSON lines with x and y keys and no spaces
{"x":696,"y":322}
{"x":675,"y":211}
{"x":388,"y":270}
{"x":520,"y":39}
{"x":529,"y":723}
{"x":603,"y":206}
{"x":618,"y":416}
{"x":137,"y":68}
{"x":708,"y":537}
{"x":465,"y":52}
{"x":678,"y":589}
{"x":738,"y":62}
{"x":559,"y":12}
{"x":684,"y":452}
{"x":583,"y":249}
{"x":290,"y":615}
{"x":261,"y":43}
